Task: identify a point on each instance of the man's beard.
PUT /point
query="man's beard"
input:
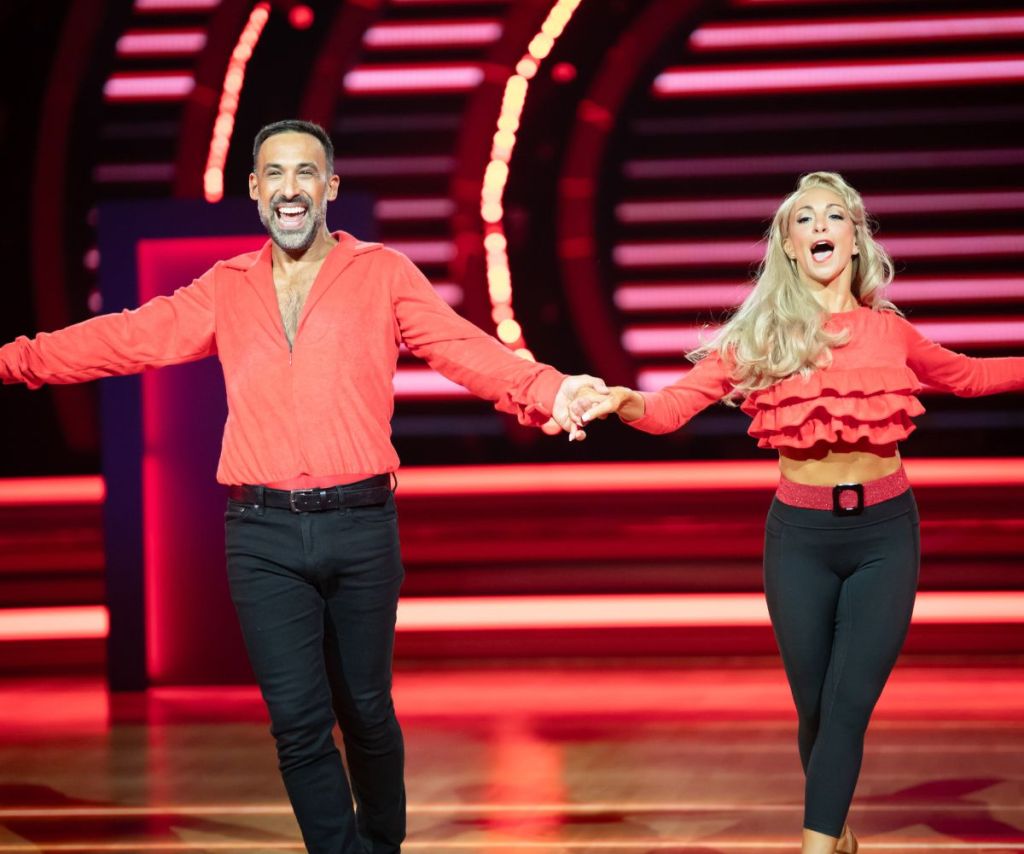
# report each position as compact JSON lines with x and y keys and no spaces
{"x":293,"y":239}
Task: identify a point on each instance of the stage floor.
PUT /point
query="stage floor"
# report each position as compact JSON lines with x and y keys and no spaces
{"x":692,"y":757}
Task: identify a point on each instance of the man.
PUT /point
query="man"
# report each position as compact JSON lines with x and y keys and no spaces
{"x":307,"y":331}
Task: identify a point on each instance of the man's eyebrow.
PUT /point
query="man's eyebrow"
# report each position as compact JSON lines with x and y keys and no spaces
{"x":303,"y":165}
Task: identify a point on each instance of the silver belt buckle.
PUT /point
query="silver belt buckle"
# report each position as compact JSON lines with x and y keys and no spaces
{"x":301,"y":494}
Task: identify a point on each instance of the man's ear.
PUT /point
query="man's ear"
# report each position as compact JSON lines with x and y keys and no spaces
{"x":253,"y":188}
{"x":332,"y":187}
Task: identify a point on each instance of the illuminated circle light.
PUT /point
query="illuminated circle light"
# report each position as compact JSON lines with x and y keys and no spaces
{"x":301,"y":17}
{"x":563,"y":72}
{"x":220,"y":142}
{"x":503,"y":143}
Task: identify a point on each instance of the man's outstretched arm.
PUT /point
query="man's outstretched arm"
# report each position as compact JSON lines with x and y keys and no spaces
{"x":164,"y":331}
{"x":464,"y":353}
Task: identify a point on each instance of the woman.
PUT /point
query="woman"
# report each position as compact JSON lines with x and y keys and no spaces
{"x":828,"y":369}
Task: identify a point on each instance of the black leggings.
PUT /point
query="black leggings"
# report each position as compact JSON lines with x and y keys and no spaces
{"x":840,"y":592}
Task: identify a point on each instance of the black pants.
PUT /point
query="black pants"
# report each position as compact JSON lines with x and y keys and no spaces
{"x":316,"y":595}
{"x":840,"y":592}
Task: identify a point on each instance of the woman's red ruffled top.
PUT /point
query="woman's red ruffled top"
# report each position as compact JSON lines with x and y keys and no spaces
{"x":868,"y":392}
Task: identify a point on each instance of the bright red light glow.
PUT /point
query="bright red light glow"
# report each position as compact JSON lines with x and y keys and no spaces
{"x":665,"y":610}
{"x":467,"y":33}
{"x":695,"y":210}
{"x":724,"y":475}
{"x":773,"y":35}
{"x":831,"y":76}
{"x":503,"y":613}
{"x":563,"y":72}
{"x":175,"y":5}
{"x":405,"y":79}
{"x":29,"y":491}
{"x":983,"y":332}
{"x":148,"y":86}
{"x":425,"y":384}
{"x":906,"y":290}
{"x":301,"y":17}
{"x":988,"y":332}
{"x":77,"y":622}
{"x":697,"y":252}
{"x":161,"y":42}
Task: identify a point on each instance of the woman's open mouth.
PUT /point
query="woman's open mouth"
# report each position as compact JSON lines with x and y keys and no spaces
{"x":822,"y":250}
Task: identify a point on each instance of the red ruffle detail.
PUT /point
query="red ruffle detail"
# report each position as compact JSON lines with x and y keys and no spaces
{"x":877,"y":404}
{"x":829,"y":382}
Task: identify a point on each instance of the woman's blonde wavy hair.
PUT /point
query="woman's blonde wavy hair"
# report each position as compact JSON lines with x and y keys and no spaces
{"x":778,"y":330}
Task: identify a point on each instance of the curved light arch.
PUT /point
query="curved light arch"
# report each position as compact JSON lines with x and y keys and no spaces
{"x":499,"y":276}
{"x":231,"y":90}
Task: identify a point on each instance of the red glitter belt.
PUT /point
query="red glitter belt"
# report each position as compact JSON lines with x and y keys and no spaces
{"x":843,"y":499}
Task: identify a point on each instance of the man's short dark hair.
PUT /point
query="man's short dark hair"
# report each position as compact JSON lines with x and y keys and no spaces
{"x":295,"y":126}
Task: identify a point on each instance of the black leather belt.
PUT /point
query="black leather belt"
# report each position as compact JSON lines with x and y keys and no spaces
{"x":362,"y":493}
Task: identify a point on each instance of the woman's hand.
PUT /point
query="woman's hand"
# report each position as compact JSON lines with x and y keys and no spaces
{"x":589,"y":404}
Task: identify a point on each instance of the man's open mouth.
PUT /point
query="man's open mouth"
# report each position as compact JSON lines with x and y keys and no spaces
{"x":290,"y":215}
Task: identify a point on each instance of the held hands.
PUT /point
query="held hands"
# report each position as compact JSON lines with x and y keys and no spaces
{"x":584,"y":398}
{"x":590,"y":404}
{"x":562,"y":417}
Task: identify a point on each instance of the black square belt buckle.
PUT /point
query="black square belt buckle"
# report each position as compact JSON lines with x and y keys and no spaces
{"x":307,"y":500}
{"x":837,"y":506}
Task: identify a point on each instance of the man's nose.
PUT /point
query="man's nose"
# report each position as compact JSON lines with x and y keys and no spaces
{"x":289,"y":186}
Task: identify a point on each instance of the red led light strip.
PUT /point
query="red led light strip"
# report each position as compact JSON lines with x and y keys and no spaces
{"x":409,"y":78}
{"x":698,"y":252}
{"x":905,"y":291}
{"x":569,"y":479}
{"x":148,"y":86}
{"x":526,"y":613}
{"x":394,"y":36}
{"x":493,"y":846}
{"x":153,"y":43}
{"x":234,"y":78}
{"x":832,"y":76}
{"x":773,"y":35}
{"x":32,"y":491}
{"x":77,"y":622}
{"x":677,"y":339}
{"x":499,"y":277}
{"x":762,"y":208}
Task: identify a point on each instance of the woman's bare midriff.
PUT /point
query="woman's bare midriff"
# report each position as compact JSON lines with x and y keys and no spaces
{"x":827,"y":465}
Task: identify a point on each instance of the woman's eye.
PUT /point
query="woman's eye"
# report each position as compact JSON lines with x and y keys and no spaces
{"x":803,"y":219}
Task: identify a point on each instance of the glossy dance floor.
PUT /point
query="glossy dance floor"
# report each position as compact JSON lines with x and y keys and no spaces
{"x":694,"y":758}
